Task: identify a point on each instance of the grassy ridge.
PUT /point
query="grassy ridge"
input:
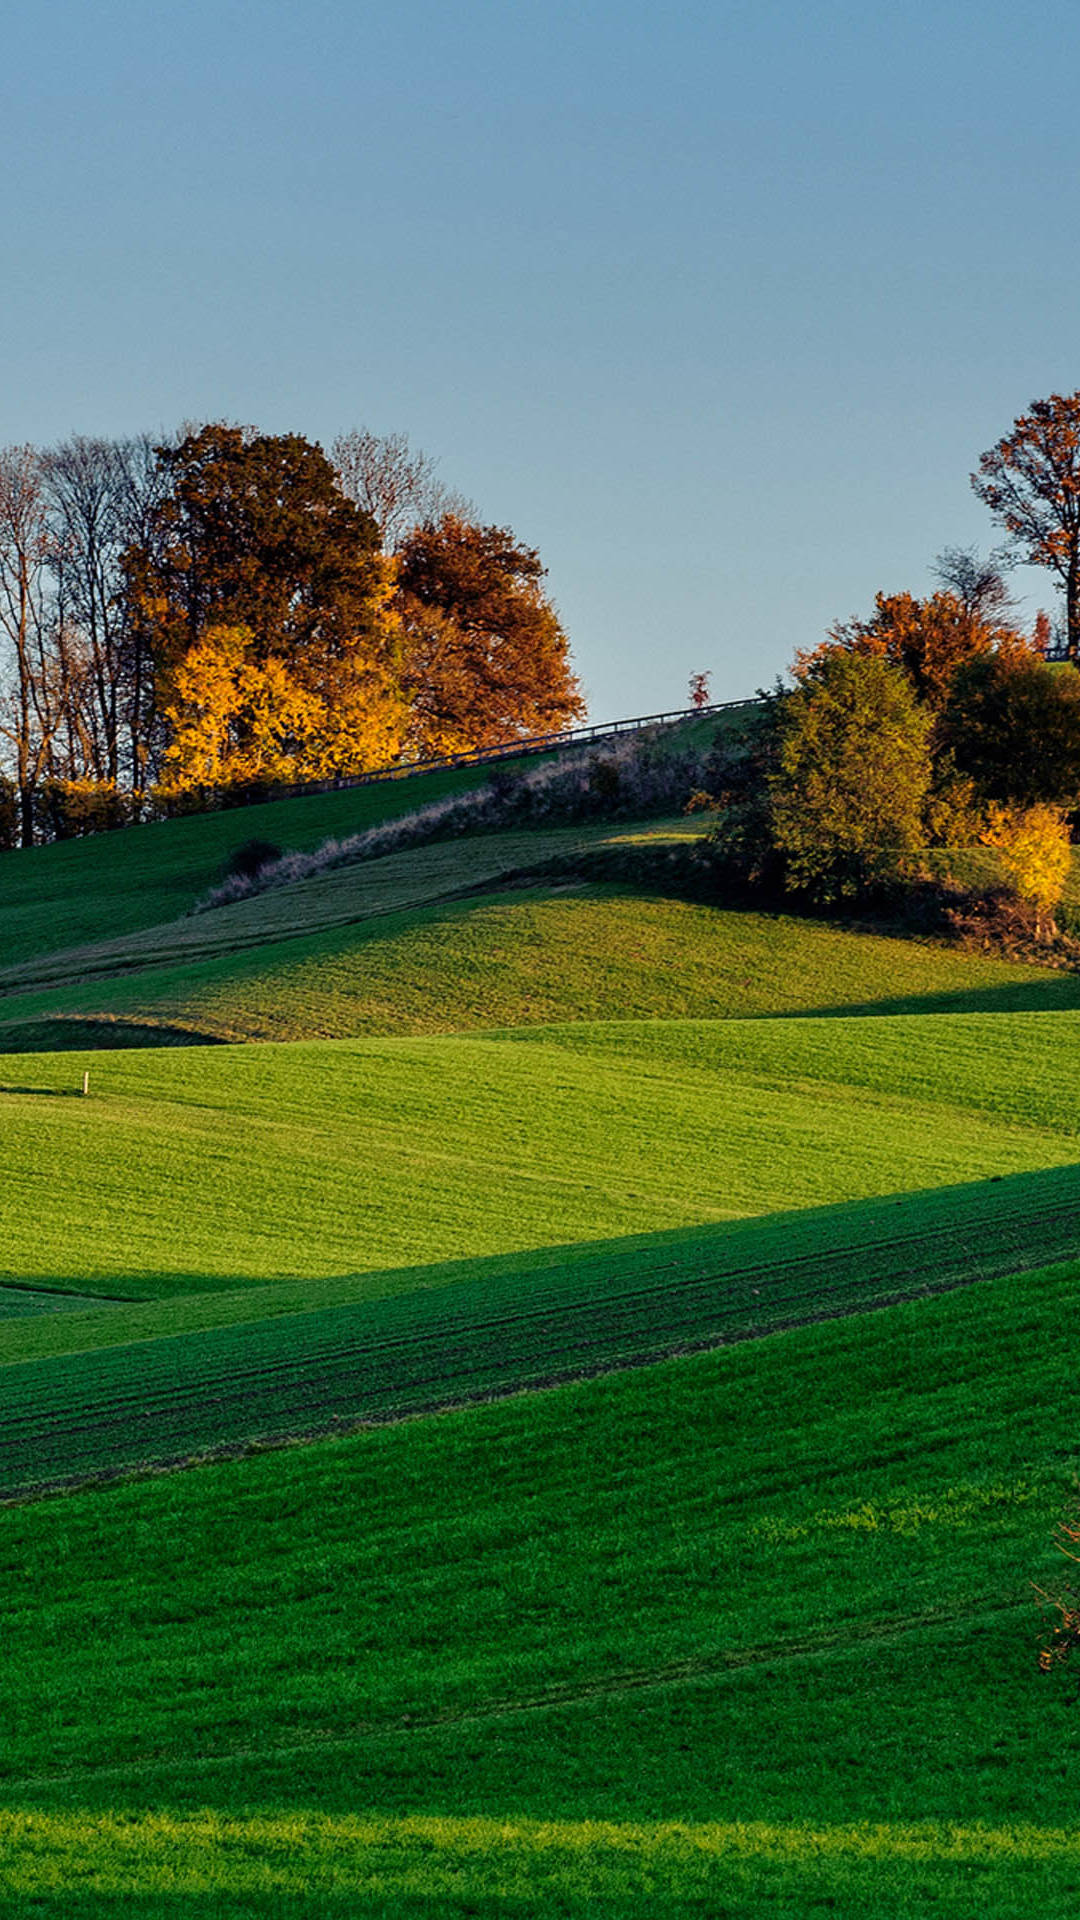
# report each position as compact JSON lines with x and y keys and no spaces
{"x":1025,"y":1068}
{"x":777,"y":1596}
{"x":336,"y":1158}
{"x":529,"y":956}
{"x":107,"y":884}
{"x":78,"y":892}
{"x":339,"y":897}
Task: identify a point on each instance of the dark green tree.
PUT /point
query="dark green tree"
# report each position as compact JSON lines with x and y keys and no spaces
{"x":252,"y":530}
{"x":851,"y":775}
{"x":1012,"y":725}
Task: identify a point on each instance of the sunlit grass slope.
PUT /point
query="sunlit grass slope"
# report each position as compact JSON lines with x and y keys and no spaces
{"x":750,"y":1632}
{"x":191,"y":1168}
{"x":342,"y":896}
{"x":113,"y":883}
{"x":106,"y":885}
{"x":526,"y":956}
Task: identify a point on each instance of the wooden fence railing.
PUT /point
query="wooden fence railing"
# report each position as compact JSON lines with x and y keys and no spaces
{"x":507,"y":750}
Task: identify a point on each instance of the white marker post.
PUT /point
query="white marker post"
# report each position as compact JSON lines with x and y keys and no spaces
{"x":85,"y":1084}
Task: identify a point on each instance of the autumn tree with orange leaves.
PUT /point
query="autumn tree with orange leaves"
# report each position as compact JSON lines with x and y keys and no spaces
{"x":266,"y":598}
{"x":929,"y":640}
{"x":484,"y":655}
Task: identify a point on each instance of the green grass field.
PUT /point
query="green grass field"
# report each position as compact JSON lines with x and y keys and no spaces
{"x":536,"y":954}
{"x":622,"y":1354}
{"x":325,"y":1159}
{"x":81,"y":892}
{"x":78,"y":891}
{"x":748,"y":1632}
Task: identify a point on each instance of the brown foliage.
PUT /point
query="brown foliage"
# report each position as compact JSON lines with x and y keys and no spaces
{"x":929,"y":640}
{"x":253,"y":531}
{"x":1064,"y":1638}
{"x":485,"y":658}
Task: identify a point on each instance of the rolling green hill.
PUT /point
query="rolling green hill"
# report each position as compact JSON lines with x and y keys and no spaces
{"x":89,"y":1395}
{"x":77,"y":891}
{"x":98,"y":945}
{"x":458,"y":937}
{"x":189,"y":1169}
{"x":675,"y":1304}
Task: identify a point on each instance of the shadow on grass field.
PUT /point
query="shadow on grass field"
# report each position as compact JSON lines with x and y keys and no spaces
{"x":125,"y":1389}
{"x":68,"y":1033}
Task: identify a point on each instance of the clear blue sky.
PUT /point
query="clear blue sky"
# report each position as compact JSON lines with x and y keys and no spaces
{"x":716,"y":305}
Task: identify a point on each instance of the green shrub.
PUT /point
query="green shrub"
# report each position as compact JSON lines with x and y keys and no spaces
{"x":852,"y":773}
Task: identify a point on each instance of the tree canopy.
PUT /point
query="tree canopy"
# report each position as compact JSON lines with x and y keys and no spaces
{"x":1032,"y":845}
{"x":253,"y":530}
{"x":267,"y":598}
{"x":221,"y":607}
{"x":928,"y":640}
{"x":1012,"y":726}
{"x":485,"y":657}
{"x":851,"y":774}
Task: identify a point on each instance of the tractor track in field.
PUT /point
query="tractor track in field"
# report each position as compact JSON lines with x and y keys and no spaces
{"x":626,"y":1682}
{"x":88,"y":1419}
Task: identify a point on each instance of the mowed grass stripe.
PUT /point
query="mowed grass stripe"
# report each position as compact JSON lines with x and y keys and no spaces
{"x":398,"y":1865}
{"x":81,"y":1415}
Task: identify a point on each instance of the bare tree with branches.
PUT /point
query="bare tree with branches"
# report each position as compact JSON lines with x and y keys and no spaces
{"x":32,"y":713}
{"x":394,"y":482}
{"x":1031,"y":482}
{"x":86,"y":483}
{"x":979,"y":585}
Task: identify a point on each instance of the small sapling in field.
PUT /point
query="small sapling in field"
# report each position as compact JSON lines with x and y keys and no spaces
{"x":1064,"y":1638}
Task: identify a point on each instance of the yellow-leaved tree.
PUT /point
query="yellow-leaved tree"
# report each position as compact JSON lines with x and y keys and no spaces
{"x":1032,"y":844}
{"x":267,"y":605}
{"x":233,"y":716}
